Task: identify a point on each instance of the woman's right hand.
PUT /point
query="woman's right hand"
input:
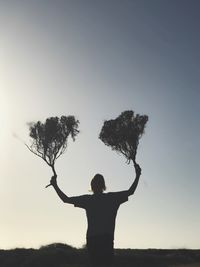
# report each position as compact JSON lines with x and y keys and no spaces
{"x":53,"y":180}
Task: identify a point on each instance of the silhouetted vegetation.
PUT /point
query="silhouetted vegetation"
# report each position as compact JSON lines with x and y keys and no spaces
{"x":49,"y":139}
{"x":61,"y":255}
{"x":123,"y":133}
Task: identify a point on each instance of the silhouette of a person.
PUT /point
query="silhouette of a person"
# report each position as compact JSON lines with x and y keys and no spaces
{"x":101,"y":210}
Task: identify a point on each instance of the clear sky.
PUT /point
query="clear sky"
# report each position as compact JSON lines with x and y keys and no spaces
{"x":95,"y":59}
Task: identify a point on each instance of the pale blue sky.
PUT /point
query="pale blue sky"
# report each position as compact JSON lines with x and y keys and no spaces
{"x":95,"y":59}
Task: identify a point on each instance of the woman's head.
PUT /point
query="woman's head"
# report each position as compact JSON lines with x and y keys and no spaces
{"x":98,"y":184}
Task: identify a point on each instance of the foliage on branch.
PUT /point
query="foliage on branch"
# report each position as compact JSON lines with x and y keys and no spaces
{"x":49,"y":139}
{"x":123,"y":133}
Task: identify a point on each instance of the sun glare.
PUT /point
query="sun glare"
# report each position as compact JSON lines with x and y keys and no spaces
{"x":3,"y":116}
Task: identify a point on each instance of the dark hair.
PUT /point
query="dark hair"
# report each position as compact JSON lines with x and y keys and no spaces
{"x":98,"y":182}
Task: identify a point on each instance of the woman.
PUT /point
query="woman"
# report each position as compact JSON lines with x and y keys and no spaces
{"x":101,"y":210}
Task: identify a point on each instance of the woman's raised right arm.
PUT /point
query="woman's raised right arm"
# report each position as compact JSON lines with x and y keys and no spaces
{"x":61,"y":195}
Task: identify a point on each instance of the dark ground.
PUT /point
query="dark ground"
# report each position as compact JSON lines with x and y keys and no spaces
{"x":61,"y":255}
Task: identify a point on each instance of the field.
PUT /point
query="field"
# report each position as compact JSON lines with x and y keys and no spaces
{"x":61,"y":255}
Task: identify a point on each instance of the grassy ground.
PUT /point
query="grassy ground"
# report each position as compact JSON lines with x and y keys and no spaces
{"x":61,"y":255}
{"x":187,"y":265}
